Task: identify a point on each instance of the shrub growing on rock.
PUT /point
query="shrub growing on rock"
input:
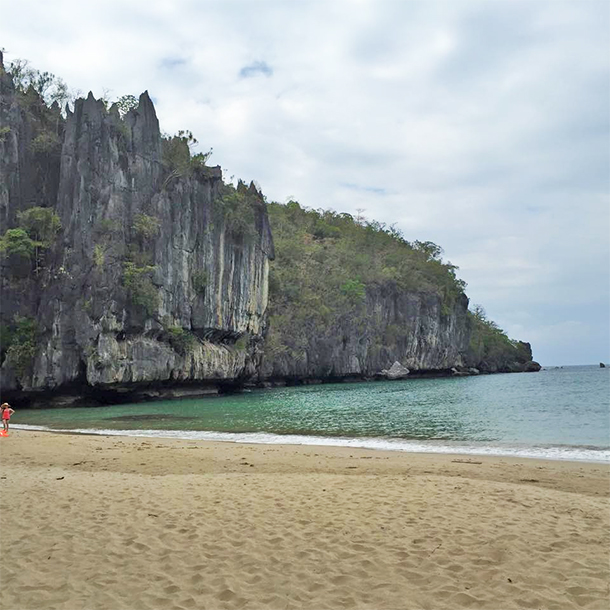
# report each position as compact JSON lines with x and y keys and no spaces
{"x":140,"y":289}
{"x":181,"y":340}
{"x":22,"y":340}
{"x":200,"y":281}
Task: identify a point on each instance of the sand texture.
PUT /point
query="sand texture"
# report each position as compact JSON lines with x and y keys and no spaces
{"x":125,"y":523}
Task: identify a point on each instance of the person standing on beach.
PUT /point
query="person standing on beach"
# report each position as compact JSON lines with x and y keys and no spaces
{"x":6,"y":415}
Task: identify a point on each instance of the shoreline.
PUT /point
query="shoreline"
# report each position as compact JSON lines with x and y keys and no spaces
{"x":567,"y":453}
{"x":132,"y":523}
{"x":156,"y":391}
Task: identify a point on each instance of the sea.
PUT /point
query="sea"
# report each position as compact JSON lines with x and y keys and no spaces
{"x":558,"y":413}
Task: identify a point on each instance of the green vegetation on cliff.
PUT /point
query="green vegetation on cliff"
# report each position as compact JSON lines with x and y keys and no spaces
{"x":181,"y":340}
{"x":236,"y":206}
{"x":19,"y":343}
{"x":178,"y":158}
{"x":23,"y":246}
{"x":28,"y":81}
{"x":490,"y":347}
{"x":324,"y":263}
{"x":140,"y":289}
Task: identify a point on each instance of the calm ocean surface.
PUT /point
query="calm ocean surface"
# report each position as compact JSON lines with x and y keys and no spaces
{"x":559,"y":413}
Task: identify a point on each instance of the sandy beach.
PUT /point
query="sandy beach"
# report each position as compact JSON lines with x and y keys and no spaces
{"x":91,"y":522}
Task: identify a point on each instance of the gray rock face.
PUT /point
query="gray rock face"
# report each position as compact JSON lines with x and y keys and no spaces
{"x":208,"y":282}
{"x":27,"y":178}
{"x":392,"y":325}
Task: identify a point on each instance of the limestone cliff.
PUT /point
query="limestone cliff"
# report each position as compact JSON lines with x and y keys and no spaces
{"x":389,"y":325}
{"x":149,"y":279}
{"x":131,"y":271}
{"x":354,"y":299}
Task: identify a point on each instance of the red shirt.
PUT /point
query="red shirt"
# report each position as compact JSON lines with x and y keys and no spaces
{"x":6,"y":414}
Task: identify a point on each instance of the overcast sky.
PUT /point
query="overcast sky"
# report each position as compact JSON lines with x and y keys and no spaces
{"x":480,"y":125}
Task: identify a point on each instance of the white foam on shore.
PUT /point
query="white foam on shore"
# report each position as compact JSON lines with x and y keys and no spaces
{"x":558,"y":452}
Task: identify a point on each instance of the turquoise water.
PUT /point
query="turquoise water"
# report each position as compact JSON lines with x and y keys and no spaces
{"x":556,"y":413}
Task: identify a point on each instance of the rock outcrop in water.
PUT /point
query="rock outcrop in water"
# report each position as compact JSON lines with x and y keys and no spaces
{"x":396,"y":371}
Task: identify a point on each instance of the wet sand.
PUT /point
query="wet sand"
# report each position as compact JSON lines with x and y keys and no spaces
{"x":90,"y":522}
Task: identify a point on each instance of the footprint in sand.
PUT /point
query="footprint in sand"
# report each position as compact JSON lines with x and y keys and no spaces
{"x":226,"y":595}
{"x":171,"y":589}
{"x":196,"y":579}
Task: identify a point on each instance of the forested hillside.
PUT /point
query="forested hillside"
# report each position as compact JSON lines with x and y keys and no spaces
{"x":350,"y":297}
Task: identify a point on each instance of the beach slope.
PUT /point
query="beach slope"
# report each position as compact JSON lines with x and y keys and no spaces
{"x":132,"y":523}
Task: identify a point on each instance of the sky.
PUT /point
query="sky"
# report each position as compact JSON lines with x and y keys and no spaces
{"x":483,"y":126}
